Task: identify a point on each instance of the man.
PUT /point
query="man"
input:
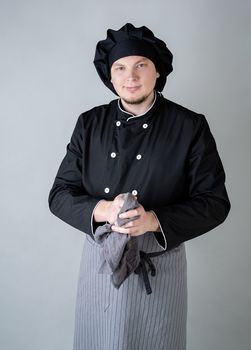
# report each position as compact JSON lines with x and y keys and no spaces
{"x":165,"y":155}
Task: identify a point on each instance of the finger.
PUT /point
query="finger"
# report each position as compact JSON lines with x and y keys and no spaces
{"x":129,"y":214}
{"x":122,"y":229}
{"x":132,"y":223}
{"x":119,"y":229}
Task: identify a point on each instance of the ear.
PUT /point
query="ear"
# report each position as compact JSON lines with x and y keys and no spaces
{"x":157,"y":75}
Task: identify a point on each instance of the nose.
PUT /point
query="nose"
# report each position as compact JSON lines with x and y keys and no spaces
{"x":132,"y":75}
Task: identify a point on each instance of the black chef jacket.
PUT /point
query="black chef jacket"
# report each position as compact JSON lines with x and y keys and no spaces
{"x":167,"y":156}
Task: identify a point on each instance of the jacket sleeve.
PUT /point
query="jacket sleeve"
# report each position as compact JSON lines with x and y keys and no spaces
{"x":206,"y":204}
{"x":68,"y":199}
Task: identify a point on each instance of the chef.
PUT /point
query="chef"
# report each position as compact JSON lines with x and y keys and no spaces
{"x":165,"y":155}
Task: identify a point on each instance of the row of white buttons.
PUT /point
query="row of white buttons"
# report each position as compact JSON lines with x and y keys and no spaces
{"x":138,"y":157}
{"x":107,"y":190}
{"x":144,"y":126}
{"x":114,"y":155}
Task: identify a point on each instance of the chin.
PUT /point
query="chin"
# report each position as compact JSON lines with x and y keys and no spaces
{"x":135,"y":100}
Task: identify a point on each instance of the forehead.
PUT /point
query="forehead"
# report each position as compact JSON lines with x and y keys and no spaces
{"x":130,"y":60}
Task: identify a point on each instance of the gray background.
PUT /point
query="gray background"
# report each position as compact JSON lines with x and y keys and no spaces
{"x":47,"y":79}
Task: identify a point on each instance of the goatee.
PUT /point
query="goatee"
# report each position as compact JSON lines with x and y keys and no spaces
{"x":136,"y":101}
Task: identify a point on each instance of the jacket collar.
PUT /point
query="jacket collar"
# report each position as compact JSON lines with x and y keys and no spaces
{"x":128,"y":117}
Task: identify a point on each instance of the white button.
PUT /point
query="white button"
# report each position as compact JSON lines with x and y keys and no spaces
{"x":145,"y":126}
{"x":113,"y":154}
{"x":107,"y":190}
{"x":139,"y":156}
{"x":118,"y":123}
{"x":134,"y":192}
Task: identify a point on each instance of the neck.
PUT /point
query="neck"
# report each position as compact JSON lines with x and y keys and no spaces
{"x":138,"y":108}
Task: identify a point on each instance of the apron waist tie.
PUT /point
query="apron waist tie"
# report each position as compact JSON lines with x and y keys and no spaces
{"x":145,"y":258}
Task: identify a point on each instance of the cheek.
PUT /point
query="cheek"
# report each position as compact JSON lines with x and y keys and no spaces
{"x":116,"y":84}
{"x":151,"y":81}
{"x":114,"y":79}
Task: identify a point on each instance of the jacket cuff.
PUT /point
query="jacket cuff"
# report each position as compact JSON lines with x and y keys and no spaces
{"x":160,"y":236}
{"x":94,"y":224}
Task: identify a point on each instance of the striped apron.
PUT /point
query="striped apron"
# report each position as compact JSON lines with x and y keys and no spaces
{"x":127,"y":318}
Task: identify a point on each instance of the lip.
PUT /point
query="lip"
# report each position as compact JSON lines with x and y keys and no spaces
{"x":132,"y":88}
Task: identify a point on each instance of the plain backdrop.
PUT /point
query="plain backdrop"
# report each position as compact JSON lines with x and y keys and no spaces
{"x":47,"y":79}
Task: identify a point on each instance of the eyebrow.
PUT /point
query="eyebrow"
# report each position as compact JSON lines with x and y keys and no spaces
{"x":121,"y":64}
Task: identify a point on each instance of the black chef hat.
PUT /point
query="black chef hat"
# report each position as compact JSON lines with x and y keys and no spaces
{"x":129,"y":41}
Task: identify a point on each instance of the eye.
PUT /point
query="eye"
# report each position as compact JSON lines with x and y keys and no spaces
{"x":119,"y":68}
{"x":141,"y":65}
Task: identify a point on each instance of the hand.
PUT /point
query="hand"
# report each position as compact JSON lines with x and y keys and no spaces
{"x":108,"y":210}
{"x":144,"y":223}
{"x":114,"y":208}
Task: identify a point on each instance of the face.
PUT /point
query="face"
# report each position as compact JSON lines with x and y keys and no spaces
{"x":134,"y":79}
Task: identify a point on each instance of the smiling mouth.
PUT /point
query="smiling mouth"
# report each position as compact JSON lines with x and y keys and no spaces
{"x":132,"y":88}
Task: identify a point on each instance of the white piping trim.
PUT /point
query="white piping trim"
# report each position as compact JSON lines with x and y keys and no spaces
{"x":92,"y":217}
{"x":161,"y":232}
{"x":139,"y":115}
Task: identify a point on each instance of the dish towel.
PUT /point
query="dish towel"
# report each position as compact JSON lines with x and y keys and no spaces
{"x":120,"y":255}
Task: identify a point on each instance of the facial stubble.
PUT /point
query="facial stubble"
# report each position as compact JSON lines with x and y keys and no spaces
{"x":136,"y":101}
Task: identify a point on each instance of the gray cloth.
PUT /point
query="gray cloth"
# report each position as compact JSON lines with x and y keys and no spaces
{"x":119,"y":255}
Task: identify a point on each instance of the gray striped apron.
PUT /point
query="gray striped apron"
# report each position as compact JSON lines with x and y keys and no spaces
{"x":127,"y":318}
